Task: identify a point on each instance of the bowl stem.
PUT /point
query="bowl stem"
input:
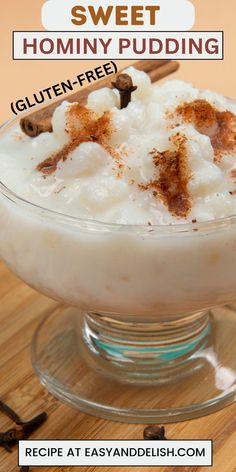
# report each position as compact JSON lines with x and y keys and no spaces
{"x":146,"y":351}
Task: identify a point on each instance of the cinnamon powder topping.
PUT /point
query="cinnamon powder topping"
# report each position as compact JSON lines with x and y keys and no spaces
{"x":199,"y":112}
{"x":225,"y":138}
{"x":171,"y":183}
{"x":82,"y":127}
{"x":233,"y":173}
{"x":219,"y":126}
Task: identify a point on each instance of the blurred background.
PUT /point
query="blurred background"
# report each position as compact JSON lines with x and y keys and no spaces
{"x":22,"y":78}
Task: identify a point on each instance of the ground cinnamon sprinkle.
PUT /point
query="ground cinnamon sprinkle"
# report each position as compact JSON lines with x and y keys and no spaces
{"x":225,"y":138}
{"x":233,"y":173}
{"x":171,"y":182}
{"x":233,"y":176}
{"x":219,"y":126}
{"x":199,"y":112}
{"x":82,"y":126}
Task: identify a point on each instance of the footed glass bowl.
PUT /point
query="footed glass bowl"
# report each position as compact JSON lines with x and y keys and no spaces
{"x":141,"y":334}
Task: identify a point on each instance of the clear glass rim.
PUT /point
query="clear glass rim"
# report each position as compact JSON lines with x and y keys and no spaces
{"x":93,"y":224}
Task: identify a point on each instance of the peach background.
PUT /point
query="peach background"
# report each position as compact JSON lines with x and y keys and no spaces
{"x":22,"y":78}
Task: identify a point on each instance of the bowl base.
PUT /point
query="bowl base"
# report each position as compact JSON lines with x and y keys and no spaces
{"x":75,"y":365}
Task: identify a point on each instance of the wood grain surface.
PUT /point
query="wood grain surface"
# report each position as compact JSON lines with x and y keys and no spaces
{"x":21,"y":309}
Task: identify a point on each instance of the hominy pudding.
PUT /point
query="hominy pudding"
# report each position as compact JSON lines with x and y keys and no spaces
{"x":167,"y":159}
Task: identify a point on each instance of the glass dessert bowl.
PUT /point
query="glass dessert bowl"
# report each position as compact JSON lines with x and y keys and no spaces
{"x":144,"y":331}
{"x":142,"y":342}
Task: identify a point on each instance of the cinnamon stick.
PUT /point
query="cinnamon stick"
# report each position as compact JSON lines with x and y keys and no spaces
{"x":41,"y":120}
{"x":168,"y":68}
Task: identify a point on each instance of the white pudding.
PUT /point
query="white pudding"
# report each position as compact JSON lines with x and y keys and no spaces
{"x":167,"y":159}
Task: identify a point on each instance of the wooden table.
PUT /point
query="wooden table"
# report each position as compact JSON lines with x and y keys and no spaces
{"x":20,"y":311}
